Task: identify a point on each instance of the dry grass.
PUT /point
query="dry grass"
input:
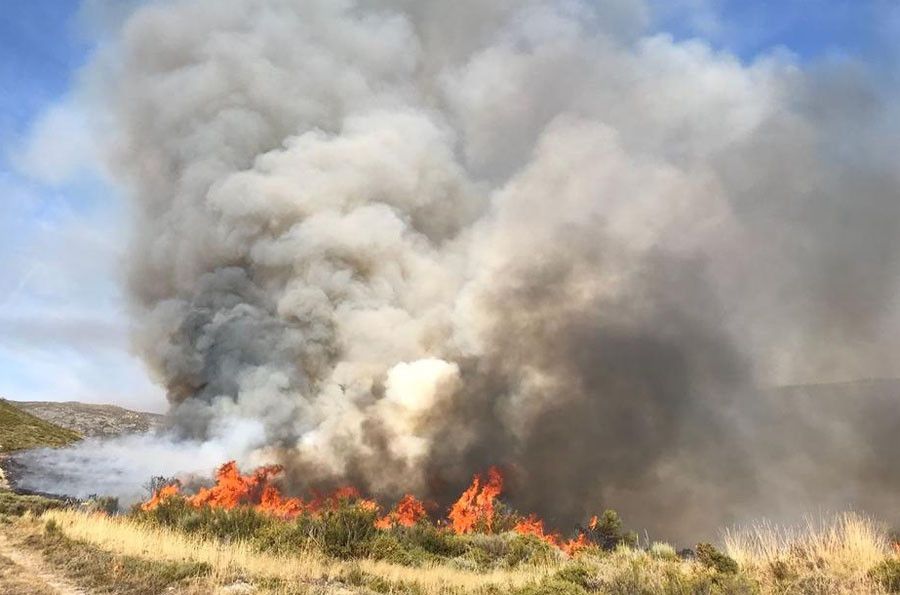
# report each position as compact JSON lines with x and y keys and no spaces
{"x":823,"y":556}
{"x":833,"y":556}
{"x":127,"y":537}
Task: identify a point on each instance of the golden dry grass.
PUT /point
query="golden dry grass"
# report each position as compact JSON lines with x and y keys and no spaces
{"x":822,"y":556}
{"x":125,"y":536}
{"x":831,"y":556}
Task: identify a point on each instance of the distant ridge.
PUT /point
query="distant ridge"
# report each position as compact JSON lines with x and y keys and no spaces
{"x":20,"y":430}
{"x":91,"y":420}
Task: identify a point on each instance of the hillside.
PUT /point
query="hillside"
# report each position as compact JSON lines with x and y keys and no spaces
{"x":59,"y":548}
{"x":92,"y":420}
{"x":20,"y":430}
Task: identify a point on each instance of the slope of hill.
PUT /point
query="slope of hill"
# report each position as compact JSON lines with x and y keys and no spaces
{"x":92,"y":420}
{"x":20,"y":430}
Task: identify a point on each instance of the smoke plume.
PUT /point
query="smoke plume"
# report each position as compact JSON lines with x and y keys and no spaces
{"x":402,"y":241}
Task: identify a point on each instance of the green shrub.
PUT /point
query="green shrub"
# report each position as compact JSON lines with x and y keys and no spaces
{"x":386,"y":546}
{"x":51,"y":528}
{"x":356,"y":577}
{"x":553,"y":585}
{"x":887,"y":574}
{"x":781,"y":570}
{"x":105,"y":504}
{"x":529,"y":549}
{"x":281,"y":537}
{"x":578,"y":573}
{"x":18,"y":504}
{"x":710,"y":557}
{"x":608,"y":533}
{"x":226,"y":525}
{"x":663,"y":551}
{"x":439,"y":542}
{"x":347,"y":532}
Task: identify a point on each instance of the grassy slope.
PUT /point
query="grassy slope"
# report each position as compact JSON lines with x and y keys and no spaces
{"x":20,"y":430}
{"x":837,"y":558}
{"x":121,"y":556}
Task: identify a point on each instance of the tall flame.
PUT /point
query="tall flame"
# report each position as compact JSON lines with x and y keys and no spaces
{"x":408,"y":511}
{"x":160,"y":495}
{"x":476,"y":505}
{"x":233,"y":489}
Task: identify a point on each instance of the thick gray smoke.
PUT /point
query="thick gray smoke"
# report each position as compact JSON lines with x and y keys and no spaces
{"x":405,"y":240}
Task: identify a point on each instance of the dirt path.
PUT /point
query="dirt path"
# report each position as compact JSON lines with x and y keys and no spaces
{"x":26,"y":573}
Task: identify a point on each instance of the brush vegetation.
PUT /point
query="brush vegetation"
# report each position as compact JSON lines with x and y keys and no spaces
{"x":185,"y":550}
{"x":349,"y":532}
{"x":20,"y":430}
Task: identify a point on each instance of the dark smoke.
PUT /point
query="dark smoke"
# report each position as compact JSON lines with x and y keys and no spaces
{"x":397,"y":242}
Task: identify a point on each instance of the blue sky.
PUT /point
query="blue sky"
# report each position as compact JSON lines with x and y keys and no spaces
{"x":63,"y":320}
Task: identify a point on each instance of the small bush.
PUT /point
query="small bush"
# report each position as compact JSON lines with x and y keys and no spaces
{"x":386,"y":546}
{"x":579,"y":574}
{"x":436,"y":541}
{"x":887,"y":574}
{"x":13,"y":504}
{"x":104,"y":504}
{"x":553,"y":585}
{"x":217,"y":523}
{"x":782,"y":571}
{"x":528,"y":549}
{"x":663,"y":551}
{"x":710,"y":557}
{"x":286,"y":537}
{"x":608,"y":534}
{"x":347,"y":532}
{"x":51,"y":528}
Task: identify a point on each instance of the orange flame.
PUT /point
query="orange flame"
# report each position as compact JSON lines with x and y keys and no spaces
{"x":408,"y":511}
{"x":165,"y":492}
{"x":532,"y":525}
{"x":474,"y":510}
{"x":233,"y":489}
{"x":573,"y":546}
{"x":476,"y":505}
{"x":271,"y":501}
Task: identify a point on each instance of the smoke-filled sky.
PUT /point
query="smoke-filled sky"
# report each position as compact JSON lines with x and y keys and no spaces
{"x":63,"y":330}
{"x":394,"y":241}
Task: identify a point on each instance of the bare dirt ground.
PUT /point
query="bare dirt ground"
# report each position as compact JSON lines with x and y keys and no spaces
{"x":24,"y":572}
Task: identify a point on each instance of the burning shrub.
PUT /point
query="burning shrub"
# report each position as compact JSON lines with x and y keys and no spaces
{"x":606,"y":531}
{"x":481,"y":531}
{"x":475,"y":508}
